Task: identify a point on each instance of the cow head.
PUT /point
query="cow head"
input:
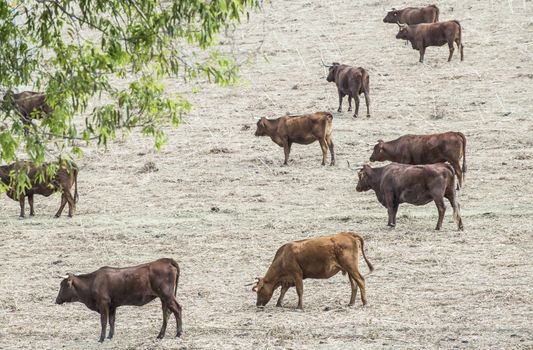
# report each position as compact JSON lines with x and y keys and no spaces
{"x":403,"y":31}
{"x":67,"y":290}
{"x":264,"y":290}
{"x":365,"y":176}
{"x":332,"y":72}
{"x":261,"y":127}
{"x":392,"y":16}
{"x":380,"y":152}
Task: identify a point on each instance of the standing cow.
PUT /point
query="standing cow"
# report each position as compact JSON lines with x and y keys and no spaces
{"x":413,"y":15}
{"x":414,"y":184}
{"x":320,"y":257}
{"x":425,"y":149}
{"x":432,"y":34}
{"x":301,"y":129}
{"x":29,"y":104}
{"x":65,"y":177}
{"x":351,"y":82}
{"x":107,"y":288}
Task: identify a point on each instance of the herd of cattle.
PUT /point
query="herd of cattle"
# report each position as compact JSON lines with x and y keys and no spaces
{"x":424,"y":168}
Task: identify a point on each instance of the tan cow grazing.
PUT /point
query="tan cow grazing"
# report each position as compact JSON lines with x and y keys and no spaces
{"x":320,"y":257}
{"x":301,"y":129}
{"x":65,"y":177}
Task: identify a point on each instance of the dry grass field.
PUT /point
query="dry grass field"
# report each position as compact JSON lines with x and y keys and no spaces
{"x":217,"y":199}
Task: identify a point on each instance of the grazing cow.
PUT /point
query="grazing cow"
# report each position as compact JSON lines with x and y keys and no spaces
{"x":425,"y":149}
{"x":65,"y":176}
{"x":413,"y":15}
{"x":29,"y":104}
{"x":414,"y":184}
{"x":108,"y":288}
{"x":432,"y":34}
{"x":301,"y":129}
{"x":320,"y":257}
{"x":350,"y":81}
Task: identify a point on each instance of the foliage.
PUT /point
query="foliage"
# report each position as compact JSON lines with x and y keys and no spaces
{"x":113,"y":53}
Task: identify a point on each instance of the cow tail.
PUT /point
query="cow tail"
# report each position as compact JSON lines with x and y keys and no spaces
{"x":175,"y":264}
{"x":368,"y":263}
{"x":76,"y":197}
{"x":464,"y":153}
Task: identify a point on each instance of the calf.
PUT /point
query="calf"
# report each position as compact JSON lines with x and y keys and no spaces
{"x":108,"y":288}
{"x":425,"y":149}
{"x":413,"y":15}
{"x":351,"y":81}
{"x":320,"y":257}
{"x":432,"y":34}
{"x":29,"y":104}
{"x":43,"y":183}
{"x":414,"y":184}
{"x":301,"y":129}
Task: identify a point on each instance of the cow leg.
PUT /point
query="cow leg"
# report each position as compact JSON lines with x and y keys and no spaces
{"x":104,"y":312}
{"x":30,"y":201}
{"x":299,"y":284}
{"x":458,"y":172}
{"x":442,"y":209}
{"x":422,"y":52}
{"x":282,"y":295}
{"x":349,"y":103}
{"x":354,"y":290}
{"x":341,"y":95}
{"x":452,"y":197}
{"x":450,"y":46}
{"x":331,"y":149}
{"x":287,"y":149}
{"x":166,"y":313}
{"x":324,"y":147}
{"x":71,"y":202}
{"x":356,"y":99}
{"x":21,"y":202}
{"x":63,"y":203}
{"x":112,"y":312}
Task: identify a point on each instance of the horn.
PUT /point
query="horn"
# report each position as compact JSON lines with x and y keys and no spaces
{"x":325,"y":65}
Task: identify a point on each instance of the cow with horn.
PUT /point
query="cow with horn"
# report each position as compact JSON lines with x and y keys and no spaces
{"x":351,"y":82}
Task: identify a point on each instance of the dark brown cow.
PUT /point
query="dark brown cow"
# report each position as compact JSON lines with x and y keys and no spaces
{"x":432,"y":34}
{"x":30,"y":105}
{"x":65,"y":177}
{"x":108,"y":288}
{"x":413,"y":15}
{"x":414,"y":184}
{"x":320,"y":257}
{"x":351,"y":82}
{"x":425,"y":149}
{"x":301,"y":129}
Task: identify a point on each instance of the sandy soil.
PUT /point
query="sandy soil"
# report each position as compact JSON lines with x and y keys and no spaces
{"x":221,"y":203}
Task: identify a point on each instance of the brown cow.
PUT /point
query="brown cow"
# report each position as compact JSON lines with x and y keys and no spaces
{"x":301,"y":129}
{"x":413,"y":15}
{"x":414,"y":184}
{"x":29,"y":104}
{"x":108,"y":288}
{"x":350,"y":81}
{"x":432,"y":34}
{"x":65,"y":177}
{"x":425,"y":149}
{"x":320,"y":257}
